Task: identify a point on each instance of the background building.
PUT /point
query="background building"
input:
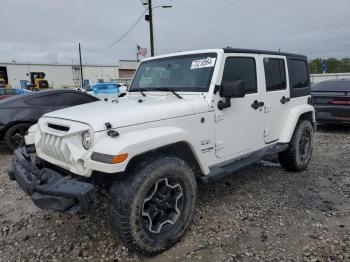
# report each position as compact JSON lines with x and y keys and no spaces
{"x":65,"y":75}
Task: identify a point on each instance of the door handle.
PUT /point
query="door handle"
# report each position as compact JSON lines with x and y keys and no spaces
{"x":284,"y":99}
{"x":256,"y":104}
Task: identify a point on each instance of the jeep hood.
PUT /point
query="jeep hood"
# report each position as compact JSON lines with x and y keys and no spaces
{"x":131,"y":110}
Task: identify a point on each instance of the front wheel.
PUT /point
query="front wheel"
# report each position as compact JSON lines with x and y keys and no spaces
{"x":298,"y":154}
{"x":152,"y":210}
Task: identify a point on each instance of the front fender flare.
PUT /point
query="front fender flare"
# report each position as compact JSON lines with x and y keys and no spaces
{"x":142,"y":141}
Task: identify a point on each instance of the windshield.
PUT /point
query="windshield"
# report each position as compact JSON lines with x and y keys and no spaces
{"x":332,"y":85}
{"x":188,"y":73}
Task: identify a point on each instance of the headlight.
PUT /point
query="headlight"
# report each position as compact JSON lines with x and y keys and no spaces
{"x":87,"y":140}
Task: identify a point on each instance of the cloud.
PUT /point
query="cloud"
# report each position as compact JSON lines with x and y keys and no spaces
{"x":49,"y":31}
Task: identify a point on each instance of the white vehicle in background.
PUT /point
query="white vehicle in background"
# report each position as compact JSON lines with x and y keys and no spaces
{"x":109,"y":90}
{"x":187,"y":117}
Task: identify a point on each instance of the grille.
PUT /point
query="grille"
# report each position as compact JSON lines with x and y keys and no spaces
{"x":55,"y":147}
{"x":58,"y":127}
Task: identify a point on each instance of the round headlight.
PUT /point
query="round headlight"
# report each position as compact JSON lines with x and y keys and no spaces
{"x":87,"y":140}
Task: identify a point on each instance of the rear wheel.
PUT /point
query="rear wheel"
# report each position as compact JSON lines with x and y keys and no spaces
{"x":14,"y":136}
{"x":298,"y":154}
{"x":152,"y":210}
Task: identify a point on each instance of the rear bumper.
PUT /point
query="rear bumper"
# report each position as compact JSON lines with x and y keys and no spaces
{"x":328,"y":117}
{"x":332,"y":113}
{"x":49,"y":189}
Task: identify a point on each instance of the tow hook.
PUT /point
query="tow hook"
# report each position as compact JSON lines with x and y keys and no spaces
{"x":111,"y":132}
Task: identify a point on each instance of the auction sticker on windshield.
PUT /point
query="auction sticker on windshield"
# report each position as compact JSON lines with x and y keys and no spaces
{"x":202,"y":63}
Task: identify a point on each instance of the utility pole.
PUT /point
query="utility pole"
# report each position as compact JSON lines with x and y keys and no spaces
{"x":81,"y":67}
{"x":150,"y":13}
{"x":149,"y":18}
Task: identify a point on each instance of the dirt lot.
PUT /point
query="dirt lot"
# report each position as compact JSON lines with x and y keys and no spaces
{"x":259,"y":213}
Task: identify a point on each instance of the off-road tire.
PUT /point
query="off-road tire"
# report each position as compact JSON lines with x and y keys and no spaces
{"x":291,"y":158}
{"x":17,"y":128}
{"x":127,"y":202}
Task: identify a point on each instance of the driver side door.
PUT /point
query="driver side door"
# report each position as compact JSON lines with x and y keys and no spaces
{"x":239,"y":128}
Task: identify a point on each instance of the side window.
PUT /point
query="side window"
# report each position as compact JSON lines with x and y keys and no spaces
{"x":39,"y":101}
{"x":298,"y":73}
{"x":71,"y":99}
{"x":275,"y":74}
{"x":241,"y":68}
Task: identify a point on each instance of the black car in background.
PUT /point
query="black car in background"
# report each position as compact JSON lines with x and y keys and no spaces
{"x":331,"y":100}
{"x":18,"y":113}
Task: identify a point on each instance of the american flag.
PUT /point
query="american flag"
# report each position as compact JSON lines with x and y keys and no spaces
{"x":142,"y":51}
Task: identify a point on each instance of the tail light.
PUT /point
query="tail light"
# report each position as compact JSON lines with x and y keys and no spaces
{"x":339,"y":102}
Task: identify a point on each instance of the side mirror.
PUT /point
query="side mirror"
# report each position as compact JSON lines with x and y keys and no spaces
{"x":232,"y":89}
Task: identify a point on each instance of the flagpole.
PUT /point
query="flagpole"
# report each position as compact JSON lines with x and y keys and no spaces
{"x":137,"y":54}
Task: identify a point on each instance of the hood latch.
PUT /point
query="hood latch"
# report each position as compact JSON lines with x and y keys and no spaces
{"x":111,"y":132}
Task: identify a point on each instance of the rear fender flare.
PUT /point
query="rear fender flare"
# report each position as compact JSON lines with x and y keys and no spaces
{"x":292,"y":120}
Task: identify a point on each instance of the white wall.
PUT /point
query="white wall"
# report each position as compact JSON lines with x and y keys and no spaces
{"x":316,"y":78}
{"x":105,"y":73}
{"x":60,"y":75}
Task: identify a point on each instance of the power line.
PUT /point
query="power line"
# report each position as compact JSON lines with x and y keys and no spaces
{"x":120,"y":38}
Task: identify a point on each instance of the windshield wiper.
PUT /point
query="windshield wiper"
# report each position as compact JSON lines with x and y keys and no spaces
{"x":138,"y":90}
{"x":167,"y":89}
{"x":141,"y":91}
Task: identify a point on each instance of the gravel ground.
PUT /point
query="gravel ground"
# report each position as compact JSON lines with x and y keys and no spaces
{"x":259,"y":213}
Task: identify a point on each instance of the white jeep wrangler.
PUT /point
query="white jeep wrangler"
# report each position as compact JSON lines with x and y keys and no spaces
{"x":188,"y":117}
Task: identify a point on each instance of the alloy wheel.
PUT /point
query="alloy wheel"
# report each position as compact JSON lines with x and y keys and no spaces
{"x":305,"y":144}
{"x":162,"y":207}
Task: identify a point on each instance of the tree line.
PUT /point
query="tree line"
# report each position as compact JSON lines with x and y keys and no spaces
{"x":330,"y":65}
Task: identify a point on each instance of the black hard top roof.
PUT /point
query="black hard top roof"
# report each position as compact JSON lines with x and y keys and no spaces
{"x":254,"y":51}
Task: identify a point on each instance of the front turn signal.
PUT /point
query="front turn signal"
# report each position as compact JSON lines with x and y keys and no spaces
{"x":119,"y":158}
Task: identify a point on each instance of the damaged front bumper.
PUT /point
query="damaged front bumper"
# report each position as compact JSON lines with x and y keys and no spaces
{"x":49,"y":189}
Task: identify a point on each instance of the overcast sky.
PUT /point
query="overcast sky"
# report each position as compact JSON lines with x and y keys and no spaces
{"x":49,"y":30}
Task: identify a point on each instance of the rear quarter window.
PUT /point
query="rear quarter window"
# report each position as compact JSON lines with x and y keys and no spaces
{"x":299,"y":79}
{"x":298,"y":74}
{"x":39,"y":101}
{"x":72,"y":99}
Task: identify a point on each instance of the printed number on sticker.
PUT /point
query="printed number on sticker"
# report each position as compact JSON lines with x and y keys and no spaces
{"x":202,"y":63}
